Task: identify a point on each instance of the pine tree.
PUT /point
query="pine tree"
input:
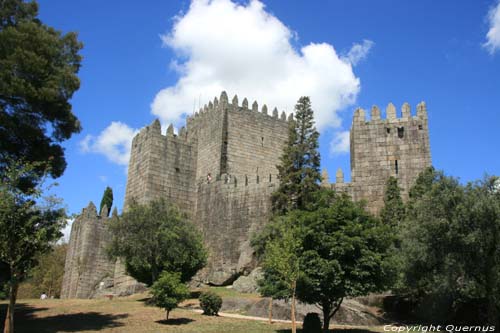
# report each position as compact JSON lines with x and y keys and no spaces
{"x":107,"y":199}
{"x":299,"y":171}
{"x":393,"y":211}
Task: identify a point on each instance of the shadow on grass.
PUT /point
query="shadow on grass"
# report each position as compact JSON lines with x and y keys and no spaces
{"x":25,"y":320}
{"x":336,"y":330}
{"x":175,"y":321}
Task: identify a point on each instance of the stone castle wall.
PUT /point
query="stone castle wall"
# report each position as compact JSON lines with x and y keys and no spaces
{"x":229,"y":212}
{"x":239,"y":147}
{"x":381,"y":148}
{"x":88,"y":271}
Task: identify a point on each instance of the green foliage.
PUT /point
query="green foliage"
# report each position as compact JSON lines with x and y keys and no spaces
{"x":46,"y":276}
{"x":210,"y":303}
{"x":344,"y":254}
{"x":156,"y":237}
{"x":168,"y":291}
{"x":450,"y":245}
{"x":38,"y":67}
{"x":107,"y":199}
{"x":281,"y":257}
{"x":312,"y":323}
{"x":299,"y":172}
{"x":28,"y":223}
{"x":393,"y":211}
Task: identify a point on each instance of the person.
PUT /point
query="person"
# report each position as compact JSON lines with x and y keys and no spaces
{"x":209,"y":178}
{"x":43,"y":296}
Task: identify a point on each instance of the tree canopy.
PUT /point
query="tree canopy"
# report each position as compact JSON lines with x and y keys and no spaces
{"x":299,"y":168}
{"x":156,"y":237}
{"x":38,"y":77}
{"x":450,"y":245}
{"x":107,"y":199}
{"x":47,"y":275}
{"x":344,"y":254}
{"x":29,"y":226}
{"x":393,"y":211}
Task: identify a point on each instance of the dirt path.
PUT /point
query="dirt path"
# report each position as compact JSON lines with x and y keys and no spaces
{"x":238,"y":316}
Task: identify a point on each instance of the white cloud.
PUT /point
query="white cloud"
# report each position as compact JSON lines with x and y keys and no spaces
{"x":340,"y":143}
{"x":113,"y":142}
{"x":359,"y":52}
{"x":493,"y":37}
{"x":66,"y":231}
{"x":242,"y":48}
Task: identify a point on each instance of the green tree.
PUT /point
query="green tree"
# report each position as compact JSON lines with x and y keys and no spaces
{"x":47,"y":275}
{"x":450,"y":247}
{"x":393,"y":211}
{"x":107,"y":199}
{"x":344,"y":252}
{"x":29,"y":227}
{"x":299,"y":171}
{"x":168,"y":291}
{"x":281,"y":262}
{"x":156,"y":237}
{"x":38,"y":76}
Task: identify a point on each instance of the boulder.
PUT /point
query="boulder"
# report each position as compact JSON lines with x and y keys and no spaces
{"x":248,"y":284}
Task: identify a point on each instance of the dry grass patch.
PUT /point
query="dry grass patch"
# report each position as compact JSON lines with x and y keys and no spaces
{"x":129,"y":314}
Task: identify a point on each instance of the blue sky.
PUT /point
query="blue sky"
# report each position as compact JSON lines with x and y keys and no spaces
{"x":151,"y":59}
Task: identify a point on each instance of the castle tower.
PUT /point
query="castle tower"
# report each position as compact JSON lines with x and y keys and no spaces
{"x":380,"y":148}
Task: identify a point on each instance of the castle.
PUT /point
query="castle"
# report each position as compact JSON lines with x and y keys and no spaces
{"x":221,"y":170}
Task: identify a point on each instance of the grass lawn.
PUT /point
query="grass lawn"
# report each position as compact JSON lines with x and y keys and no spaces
{"x":130,"y":314}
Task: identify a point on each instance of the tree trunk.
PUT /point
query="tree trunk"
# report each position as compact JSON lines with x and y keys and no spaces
{"x":294,"y":325}
{"x":168,"y":312}
{"x":326,"y":317}
{"x":270,"y":310}
{"x":9,"y":318}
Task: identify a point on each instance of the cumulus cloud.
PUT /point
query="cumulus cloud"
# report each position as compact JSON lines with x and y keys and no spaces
{"x":242,"y":48}
{"x":492,"y":43}
{"x":359,"y":52}
{"x":340,"y":143}
{"x":113,"y":142}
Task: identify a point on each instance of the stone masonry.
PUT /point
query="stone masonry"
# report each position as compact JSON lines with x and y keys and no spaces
{"x":221,"y":170}
{"x":380,"y":148}
{"x":88,"y":272}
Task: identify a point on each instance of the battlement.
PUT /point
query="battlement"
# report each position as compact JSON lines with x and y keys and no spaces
{"x":210,"y":112}
{"x":391,"y":114}
{"x":222,"y":104}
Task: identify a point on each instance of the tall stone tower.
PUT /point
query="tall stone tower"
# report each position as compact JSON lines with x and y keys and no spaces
{"x":221,"y":170}
{"x":380,"y":148}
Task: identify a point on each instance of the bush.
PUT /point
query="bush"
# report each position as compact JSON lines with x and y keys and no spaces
{"x":168,"y":291}
{"x":210,"y":303}
{"x":312,"y":323}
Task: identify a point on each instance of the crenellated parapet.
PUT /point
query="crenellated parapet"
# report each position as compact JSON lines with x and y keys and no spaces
{"x":391,"y":114}
{"x":213,"y":109}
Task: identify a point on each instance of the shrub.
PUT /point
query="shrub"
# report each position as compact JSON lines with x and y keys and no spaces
{"x":168,"y":291}
{"x":312,"y":323}
{"x":210,"y":303}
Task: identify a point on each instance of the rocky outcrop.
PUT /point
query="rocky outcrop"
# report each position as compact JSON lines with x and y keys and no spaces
{"x":248,"y":283}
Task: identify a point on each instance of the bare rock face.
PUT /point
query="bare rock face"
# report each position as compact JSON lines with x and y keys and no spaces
{"x":248,"y":284}
{"x":351,"y":312}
